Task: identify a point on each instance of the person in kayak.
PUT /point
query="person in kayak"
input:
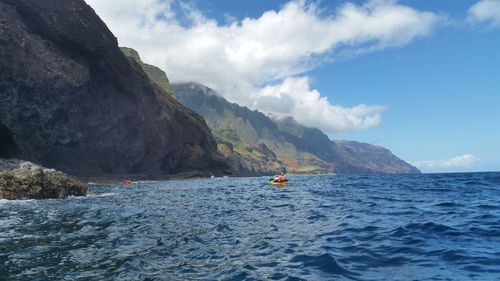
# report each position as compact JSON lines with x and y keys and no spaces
{"x":279,"y":178}
{"x":276,"y":178}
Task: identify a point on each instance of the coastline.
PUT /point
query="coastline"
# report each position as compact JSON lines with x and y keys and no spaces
{"x":113,"y":179}
{"x":116,"y":179}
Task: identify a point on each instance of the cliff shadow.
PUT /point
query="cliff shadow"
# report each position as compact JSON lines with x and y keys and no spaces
{"x":8,"y":147}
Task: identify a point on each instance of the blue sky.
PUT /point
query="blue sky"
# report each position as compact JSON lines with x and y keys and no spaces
{"x":426,"y":85}
{"x":442,"y":93}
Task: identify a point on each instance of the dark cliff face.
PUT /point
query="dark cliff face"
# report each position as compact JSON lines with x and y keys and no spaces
{"x":70,"y":99}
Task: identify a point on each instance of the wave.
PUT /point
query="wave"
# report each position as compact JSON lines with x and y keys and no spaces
{"x":96,"y":195}
{"x":488,"y":207}
{"x":324,"y":262}
{"x":17,"y":201}
{"x":448,"y":205}
{"x":425,"y":230}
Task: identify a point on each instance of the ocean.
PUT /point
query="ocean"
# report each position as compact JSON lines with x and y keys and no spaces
{"x":370,"y":227}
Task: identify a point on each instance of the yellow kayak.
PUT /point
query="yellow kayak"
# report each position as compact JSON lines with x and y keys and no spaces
{"x":283,"y":183}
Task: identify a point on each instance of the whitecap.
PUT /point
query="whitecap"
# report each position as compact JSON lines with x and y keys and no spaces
{"x":17,"y":201}
{"x":107,"y":194}
{"x":9,"y":221}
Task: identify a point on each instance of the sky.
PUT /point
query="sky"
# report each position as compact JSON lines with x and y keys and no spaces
{"x":419,"y":77}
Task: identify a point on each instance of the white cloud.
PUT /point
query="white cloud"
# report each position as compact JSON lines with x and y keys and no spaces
{"x":309,"y":108}
{"x":264,"y":60}
{"x":487,"y":11}
{"x":463,"y":161}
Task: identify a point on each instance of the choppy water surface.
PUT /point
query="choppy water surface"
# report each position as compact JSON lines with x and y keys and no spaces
{"x":422,"y":227}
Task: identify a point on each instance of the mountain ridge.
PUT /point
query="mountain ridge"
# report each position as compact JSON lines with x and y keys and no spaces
{"x":300,"y":149}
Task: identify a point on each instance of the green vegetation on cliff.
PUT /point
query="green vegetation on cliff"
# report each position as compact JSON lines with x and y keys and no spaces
{"x":245,"y":158}
{"x":247,"y":128}
{"x":155,"y":74}
{"x":299,"y":149}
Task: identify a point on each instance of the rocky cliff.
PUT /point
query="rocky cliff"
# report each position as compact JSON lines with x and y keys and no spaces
{"x":70,"y":99}
{"x":242,"y":158}
{"x":297,"y":148}
{"x":247,"y":159}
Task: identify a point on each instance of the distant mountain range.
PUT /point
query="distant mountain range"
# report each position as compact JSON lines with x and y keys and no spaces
{"x":253,"y":143}
{"x":288,"y":145}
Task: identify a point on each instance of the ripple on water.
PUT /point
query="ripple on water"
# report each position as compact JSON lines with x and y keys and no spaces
{"x":324,"y":262}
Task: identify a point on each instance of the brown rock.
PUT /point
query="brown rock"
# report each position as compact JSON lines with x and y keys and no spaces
{"x":35,"y":184}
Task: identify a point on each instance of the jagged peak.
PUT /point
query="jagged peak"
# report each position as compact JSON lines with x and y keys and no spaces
{"x":195,"y":86}
{"x":154,"y":73}
{"x":129,"y":52}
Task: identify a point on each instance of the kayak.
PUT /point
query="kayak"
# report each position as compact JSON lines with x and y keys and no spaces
{"x":283,"y":183}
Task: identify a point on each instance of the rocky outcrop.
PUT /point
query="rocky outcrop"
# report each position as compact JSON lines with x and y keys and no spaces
{"x":24,"y":180}
{"x":71,"y":100}
{"x":246,"y":159}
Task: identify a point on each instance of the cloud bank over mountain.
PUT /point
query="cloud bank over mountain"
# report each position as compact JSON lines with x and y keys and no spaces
{"x":263,"y":62}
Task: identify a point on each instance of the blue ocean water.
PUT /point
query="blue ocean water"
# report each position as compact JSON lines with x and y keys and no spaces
{"x":378,"y":227}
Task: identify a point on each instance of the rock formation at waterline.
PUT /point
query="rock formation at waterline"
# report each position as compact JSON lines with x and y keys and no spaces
{"x":25,"y":180}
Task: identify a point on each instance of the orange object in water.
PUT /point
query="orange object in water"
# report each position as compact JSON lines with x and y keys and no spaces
{"x":127,"y":182}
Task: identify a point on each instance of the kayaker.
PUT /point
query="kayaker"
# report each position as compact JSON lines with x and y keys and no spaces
{"x":281,"y":178}
{"x":276,"y":178}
